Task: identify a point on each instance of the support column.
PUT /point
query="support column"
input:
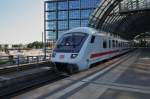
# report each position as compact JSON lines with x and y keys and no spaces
{"x":44,"y":30}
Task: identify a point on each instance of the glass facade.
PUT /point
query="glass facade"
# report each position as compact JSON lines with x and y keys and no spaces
{"x":62,"y":15}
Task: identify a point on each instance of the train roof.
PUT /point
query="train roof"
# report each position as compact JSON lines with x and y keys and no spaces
{"x":87,"y":30}
{"x":91,"y":31}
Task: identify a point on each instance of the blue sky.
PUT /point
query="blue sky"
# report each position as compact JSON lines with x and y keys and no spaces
{"x":21,"y":21}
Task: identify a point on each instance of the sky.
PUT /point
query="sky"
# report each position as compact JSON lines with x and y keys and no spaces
{"x":21,"y":21}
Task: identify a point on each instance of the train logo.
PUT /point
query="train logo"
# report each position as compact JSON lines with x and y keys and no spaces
{"x":61,"y":56}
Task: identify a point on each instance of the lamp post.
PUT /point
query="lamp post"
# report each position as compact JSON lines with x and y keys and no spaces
{"x":44,"y":30}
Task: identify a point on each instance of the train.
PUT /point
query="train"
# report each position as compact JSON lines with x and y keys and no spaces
{"x":77,"y":49}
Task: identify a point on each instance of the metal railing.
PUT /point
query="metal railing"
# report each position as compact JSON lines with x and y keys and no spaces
{"x":18,"y":60}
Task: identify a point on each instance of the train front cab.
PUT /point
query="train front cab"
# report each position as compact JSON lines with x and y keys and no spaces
{"x":68,"y":52}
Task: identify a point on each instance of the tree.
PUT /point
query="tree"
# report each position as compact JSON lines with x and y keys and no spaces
{"x":17,"y":46}
{"x":35,"y":44}
{"x":6,"y":46}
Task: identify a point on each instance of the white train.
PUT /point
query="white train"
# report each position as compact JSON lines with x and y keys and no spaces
{"x":78,"y":48}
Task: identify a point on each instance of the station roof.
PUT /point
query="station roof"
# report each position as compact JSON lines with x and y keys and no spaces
{"x":127,"y":18}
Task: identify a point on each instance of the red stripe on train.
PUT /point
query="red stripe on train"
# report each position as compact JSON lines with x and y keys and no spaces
{"x":103,"y":54}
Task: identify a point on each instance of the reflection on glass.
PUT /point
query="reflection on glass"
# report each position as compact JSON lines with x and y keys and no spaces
{"x":71,"y":42}
{"x":51,"y":6}
{"x":89,"y":3}
{"x":51,"y":15}
{"x":60,"y":12}
{"x":51,"y":35}
{"x":51,"y":25}
{"x":60,"y":33}
{"x":74,"y":23}
{"x":62,"y":15}
{"x":62,"y":5}
{"x":63,"y":25}
{"x":85,"y":13}
{"x":74,"y":5}
{"x":74,"y":14}
{"x":84,"y":23}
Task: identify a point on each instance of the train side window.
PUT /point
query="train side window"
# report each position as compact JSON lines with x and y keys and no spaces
{"x":104,"y":44}
{"x":120,"y":44}
{"x":116,"y":43}
{"x":92,"y":39}
{"x":113,"y":43}
{"x":123,"y":44}
{"x":109,"y":43}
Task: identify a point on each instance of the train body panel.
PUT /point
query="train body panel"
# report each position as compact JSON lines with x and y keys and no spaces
{"x":84,"y":46}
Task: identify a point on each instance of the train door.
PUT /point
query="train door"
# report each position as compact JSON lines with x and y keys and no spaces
{"x":104,"y":48}
{"x":89,"y":50}
{"x":96,"y":49}
{"x":109,"y":46}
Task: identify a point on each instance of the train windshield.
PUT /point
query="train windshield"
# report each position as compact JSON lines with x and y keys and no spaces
{"x":71,"y":42}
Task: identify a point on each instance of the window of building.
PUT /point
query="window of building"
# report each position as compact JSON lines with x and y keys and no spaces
{"x":104,"y":44}
{"x":85,"y":13}
{"x":74,"y":23}
{"x":74,"y":4}
{"x":51,"y":6}
{"x":51,"y":15}
{"x":77,"y":17}
{"x":62,"y":15}
{"x":51,"y":25}
{"x":62,"y":25}
{"x":89,"y":3}
{"x":62,"y":5}
{"x":84,"y":23}
{"x":60,"y":32}
{"x":75,"y":14}
{"x":51,"y":35}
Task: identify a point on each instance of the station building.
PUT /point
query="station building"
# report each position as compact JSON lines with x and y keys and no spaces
{"x":62,"y":15}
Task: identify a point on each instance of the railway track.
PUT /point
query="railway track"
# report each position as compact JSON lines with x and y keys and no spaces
{"x":50,"y":76}
{"x":28,"y":82}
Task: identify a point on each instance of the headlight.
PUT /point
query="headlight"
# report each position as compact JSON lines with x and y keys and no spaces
{"x":53,"y":55}
{"x":74,"y":55}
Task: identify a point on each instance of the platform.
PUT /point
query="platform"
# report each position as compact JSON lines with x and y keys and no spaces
{"x":126,"y":77}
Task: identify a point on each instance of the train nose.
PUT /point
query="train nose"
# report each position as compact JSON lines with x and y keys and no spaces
{"x":65,"y":57}
{"x":68,"y":68}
